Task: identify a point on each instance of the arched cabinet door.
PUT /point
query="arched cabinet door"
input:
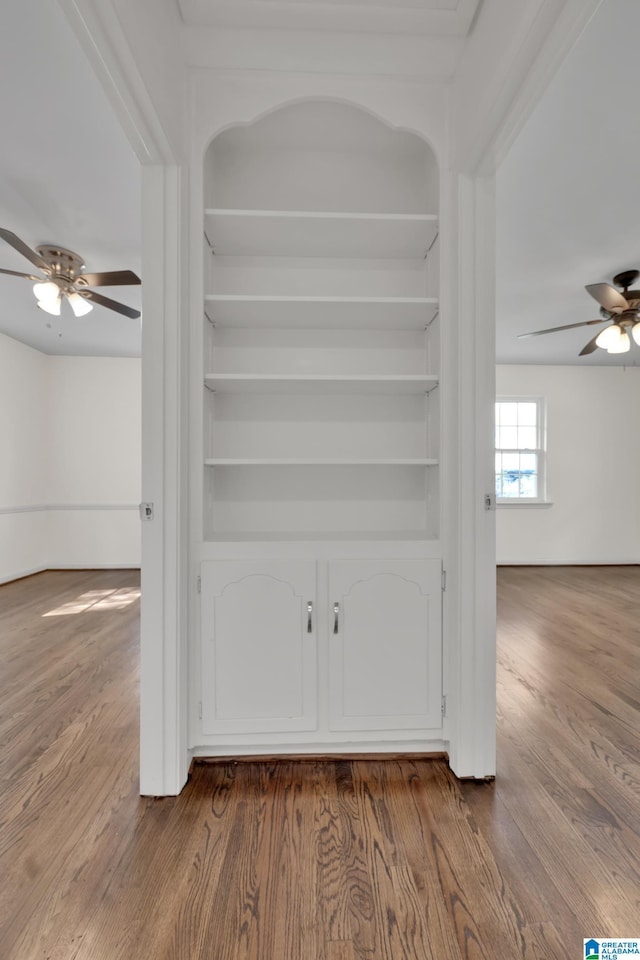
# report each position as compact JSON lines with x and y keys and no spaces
{"x":385,"y":645}
{"x":259,"y":646}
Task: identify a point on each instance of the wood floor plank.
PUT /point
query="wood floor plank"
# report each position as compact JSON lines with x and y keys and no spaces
{"x":518,"y":861}
{"x":344,"y":881}
{"x":367,"y":859}
{"x":481,"y":904}
{"x":341,"y":950}
{"x":586,"y":806}
{"x":408,"y":897}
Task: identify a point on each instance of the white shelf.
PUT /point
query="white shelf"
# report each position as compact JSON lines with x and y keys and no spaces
{"x":319,"y":462}
{"x":296,"y":383}
{"x":304,"y":233}
{"x":369,"y":313}
{"x":234,"y":536}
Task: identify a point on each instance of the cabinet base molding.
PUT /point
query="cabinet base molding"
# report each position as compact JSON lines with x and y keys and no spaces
{"x":315,"y":757}
{"x":434,"y":750}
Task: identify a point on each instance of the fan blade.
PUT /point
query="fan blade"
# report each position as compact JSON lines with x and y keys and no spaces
{"x":590,"y":347}
{"x":567,"y":326}
{"x":113,"y":278}
{"x":26,"y":251}
{"x":110,"y":304}
{"x":608,"y":297}
{"x":27,"y":276}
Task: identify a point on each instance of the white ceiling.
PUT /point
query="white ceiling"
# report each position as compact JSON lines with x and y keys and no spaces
{"x":568,"y":207}
{"x":67,"y":176}
{"x":566,"y":197}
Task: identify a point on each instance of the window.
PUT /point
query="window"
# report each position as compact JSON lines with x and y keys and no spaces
{"x":520,"y":453}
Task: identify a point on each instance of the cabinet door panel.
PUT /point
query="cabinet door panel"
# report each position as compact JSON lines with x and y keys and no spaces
{"x":259,"y":656}
{"x":385,"y":658}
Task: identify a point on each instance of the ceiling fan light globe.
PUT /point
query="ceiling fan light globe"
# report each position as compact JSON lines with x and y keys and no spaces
{"x":50,"y":306}
{"x":622,"y":344}
{"x":79,"y":305}
{"x":609,"y":337}
{"x":635,"y":332}
{"x":48,"y":292}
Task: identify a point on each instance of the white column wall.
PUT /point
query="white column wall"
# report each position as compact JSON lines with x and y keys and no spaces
{"x":70,"y":477}
{"x":593,"y":462}
{"x":164,"y":758}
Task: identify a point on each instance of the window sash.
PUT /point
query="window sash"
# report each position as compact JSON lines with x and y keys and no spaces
{"x":538,"y":451}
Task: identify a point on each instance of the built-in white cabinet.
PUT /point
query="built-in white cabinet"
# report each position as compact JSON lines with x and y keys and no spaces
{"x":385,"y":649}
{"x":259,"y":647}
{"x":320,"y":382}
{"x":361,"y":653}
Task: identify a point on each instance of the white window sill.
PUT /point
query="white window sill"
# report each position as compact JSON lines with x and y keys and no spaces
{"x":514,"y":502}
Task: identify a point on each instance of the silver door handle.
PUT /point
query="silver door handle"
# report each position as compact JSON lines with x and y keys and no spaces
{"x":309,"y":617}
{"x":336,"y":615}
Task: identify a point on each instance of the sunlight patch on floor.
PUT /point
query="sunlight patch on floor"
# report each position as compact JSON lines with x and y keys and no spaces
{"x":103,"y":600}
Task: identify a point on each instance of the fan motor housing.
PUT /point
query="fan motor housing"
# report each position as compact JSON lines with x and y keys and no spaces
{"x":64,"y":264}
{"x":625,"y":280}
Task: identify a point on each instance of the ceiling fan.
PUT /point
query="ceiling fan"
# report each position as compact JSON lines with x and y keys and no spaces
{"x":620,"y":310}
{"x":64,"y":278}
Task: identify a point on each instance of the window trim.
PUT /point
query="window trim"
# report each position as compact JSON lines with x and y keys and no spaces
{"x":540,"y":450}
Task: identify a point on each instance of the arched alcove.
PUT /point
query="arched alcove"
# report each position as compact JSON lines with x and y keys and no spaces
{"x":321,"y":155}
{"x":323,"y":222}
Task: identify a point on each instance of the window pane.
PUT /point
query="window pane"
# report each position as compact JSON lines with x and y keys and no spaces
{"x":509,"y":414}
{"x":527,"y":438}
{"x":527,"y":414}
{"x":528,"y":475}
{"x":508,"y":438}
{"x":498,"y":405}
{"x":528,"y":485}
{"x":498,"y":485}
{"x":511,"y":461}
{"x":510,"y":483}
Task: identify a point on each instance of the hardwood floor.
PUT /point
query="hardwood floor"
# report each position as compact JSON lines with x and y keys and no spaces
{"x":321,"y":860}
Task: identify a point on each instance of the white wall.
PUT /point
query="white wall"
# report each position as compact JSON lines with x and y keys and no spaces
{"x":22,"y":478}
{"x":94,"y":417}
{"x":70,"y":477}
{"x":593,"y":462}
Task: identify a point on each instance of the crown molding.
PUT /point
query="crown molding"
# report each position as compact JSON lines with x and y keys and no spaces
{"x":432,"y":17}
{"x":510,"y":100}
{"x":101,"y":36}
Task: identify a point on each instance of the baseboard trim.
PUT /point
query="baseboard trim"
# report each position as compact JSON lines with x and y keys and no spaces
{"x":568,"y":563}
{"x":331,"y":756}
{"x":93,"y":566}
{"x":351,"y":748}
{"x":22,"y":574}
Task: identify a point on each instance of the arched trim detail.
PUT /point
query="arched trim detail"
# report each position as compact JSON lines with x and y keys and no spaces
{"x":321,"y":98}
